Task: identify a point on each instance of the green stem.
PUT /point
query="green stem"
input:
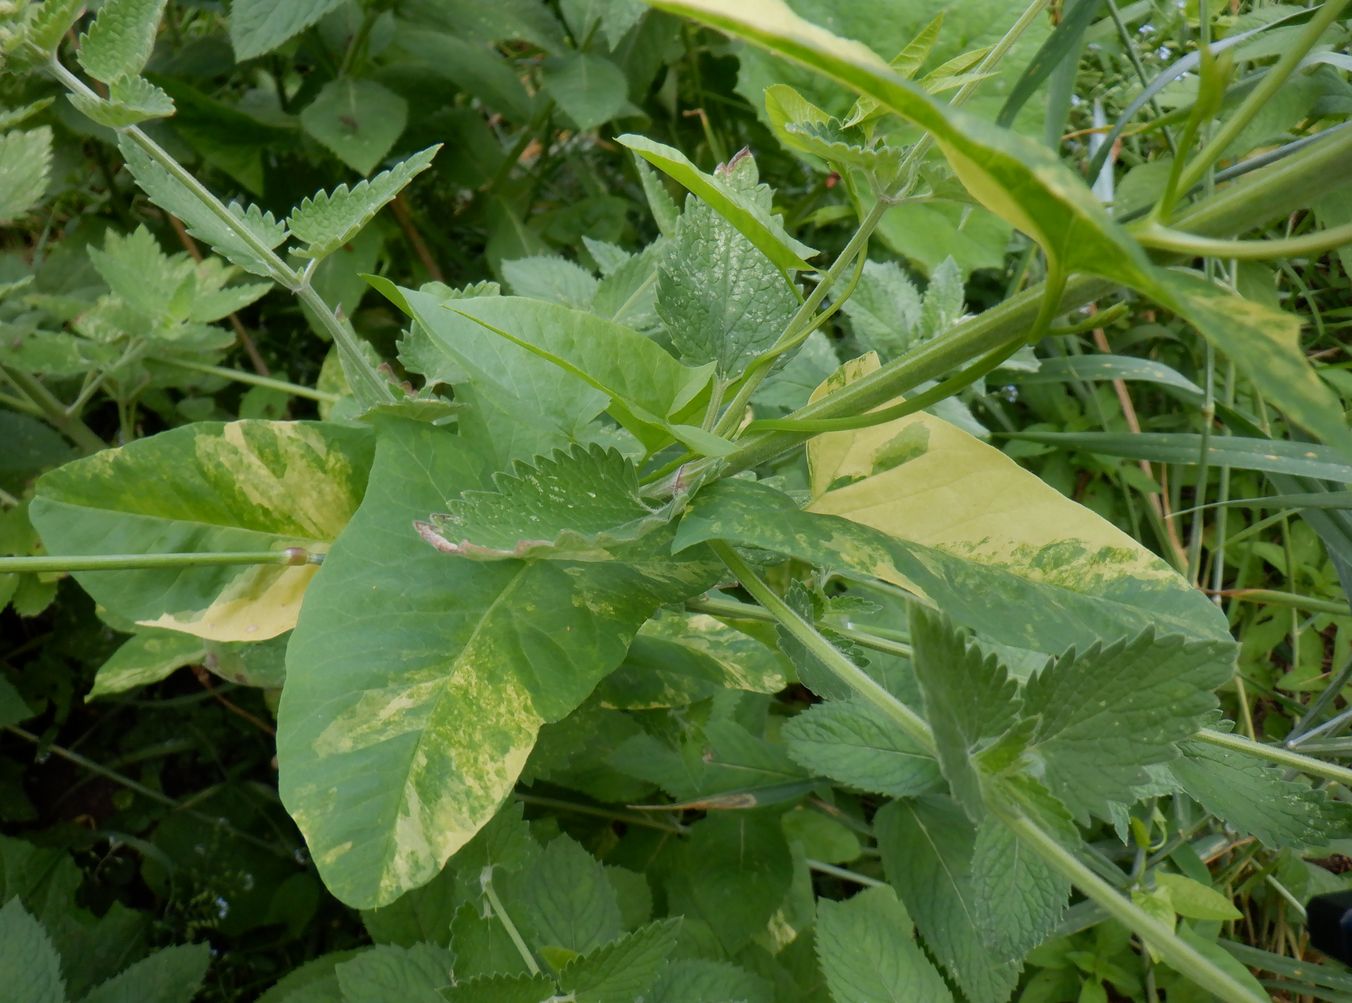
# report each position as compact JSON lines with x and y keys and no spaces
{"x":1308,"y":245}
{"x":1273,"y":597}
{"x":53,"y":410}
{"x":864,"y":685}
{"x":822,"y":867}
{"x":733,"y":610}
{"x":1261,"y":95}
{"x":366,"y":383}
{"x":495,"y":903}
{"x":253,"y":379}
{"x":130,"y":562}
{"x":1180,"y":955}
{"x":1277,"y":754}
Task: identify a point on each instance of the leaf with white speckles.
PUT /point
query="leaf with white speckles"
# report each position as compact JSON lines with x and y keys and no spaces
{"x":207,"y":487}
{"x":415,"y":685}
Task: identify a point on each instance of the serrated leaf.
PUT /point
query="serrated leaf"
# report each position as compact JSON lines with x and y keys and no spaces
{"x":885,"y":309}
{"x":549,"y":277}
{"x":523,"y":988}
{"x":927,"y":845}
{"x":803,"y":126}
{"x":721,"y":299}
{"x":1195,"y":900}
{"x":710,"y":982}
{"x":130,"y":100}
{"x":574,"y":505}
{"x":590,"y":89}
{"x":25,"y":161}
{"x":867,"y":953}
{"x":1255,"y":797}
{"x":119,"y":42}
{"x":44,"y":33}
{"x":171,"y":195}
{"x":358,"y":121}
{"x":415,"y":686}
{"x":1107,"y":713}
{"x":326,"y":221}
{"x":259,"y":26}
{"x":565,"y":899}
{"x":850,"y":742}
{"x":170,"y":975}
{"x":764,"y":230}
{"x":241,"y":486}
{"x":1019,"y":898}
{"x":146,"y":658}
{"x":732,"y":873}
{"x":970,"y":701}
{"x":29,"y":963}
{"x":409,"y":974}
{"x":623,"y":970}
{"x":905,"y":64}
{"x":943,"y":302}
{"x":139,"y":272}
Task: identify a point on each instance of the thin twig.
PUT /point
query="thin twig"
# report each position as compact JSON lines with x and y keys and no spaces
{"x":415,"y":238}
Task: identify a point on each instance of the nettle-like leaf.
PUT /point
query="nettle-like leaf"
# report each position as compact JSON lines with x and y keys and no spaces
{"x":119,"y":42}
{"x":1026,"y":184}
{"x":574,"y":505}
{"x":358,"y":121}
{"x":969,"y":702}
{"x":804,"y":127}
{"x":171,"y":195}
{"x":1255,"y":797}
{"x":853,"y":744}
{"x":927,"y":845}
{"x":414,"y":974}
{"x":170,"y":975}
{"x":691,"y":979}
{"x":754,"y":222}
{"x":866,"y":951}
{"x":415,"y":685}
{"x":721,"y":299}
{"x":43,"y":32}
{"x":1106,"y":713}
{"x":28,"y":961}
{"x":25,"y":162}
{"x":242,"y":486}
{"x":624,"y":969}
{"x":520,"y":988}
{"x":259,"y":26}
{"x":552,"y":278}
{"x":130,"y":100}
{"x":327,"y":220}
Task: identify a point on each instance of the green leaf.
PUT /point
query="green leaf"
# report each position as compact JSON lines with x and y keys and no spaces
{"x":492,"y":338}
{"x":574,"y":505}
{"x":850,"y":742}
{"x":25,"y":161}
{"x":721,"y":299}
{"x":242,"y":486}
{"x":884,"y":310}
{"x":415,"y":686}
{"x":358,"y":121}
{"x":328,"y":221}
{"x":1195,"y":900}
{"x":764,"y":230}
{"x":119,"y":42}
{"x":623,"y":970}
{"x":969,"y":702}
{"x":1069,"y":368}
{"x":43,"y":33}
{"x":259,"y":26}
{"x":590,"y":89}
{"x":1032,"y":606}
{"x":867,"y":953}
{"x":710,"y":982}
{"x":551,"y":278}
{"x":927,"y":846}
{"x":1256,"y":798}
{"x":408,"y":974}
{"x":146,"y":658}
{"x":1027,"y":185}
{"x":170,"y":975}
{"x":29,"y":963}
{"x":524,"y":988}
{"x":171,"y":195}
{"x":565,"y":899}
{"x":1106,"y":713}
{"x":313,"y":982}
{"x":1301,"y":459}
{"x":733,"y":872}
{"x":13,"y":709}
{"x":130,"y":100}
{"x":803,"y":126}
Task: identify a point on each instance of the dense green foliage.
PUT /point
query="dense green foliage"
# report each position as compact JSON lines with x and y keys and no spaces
{"x":681,"y":501}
